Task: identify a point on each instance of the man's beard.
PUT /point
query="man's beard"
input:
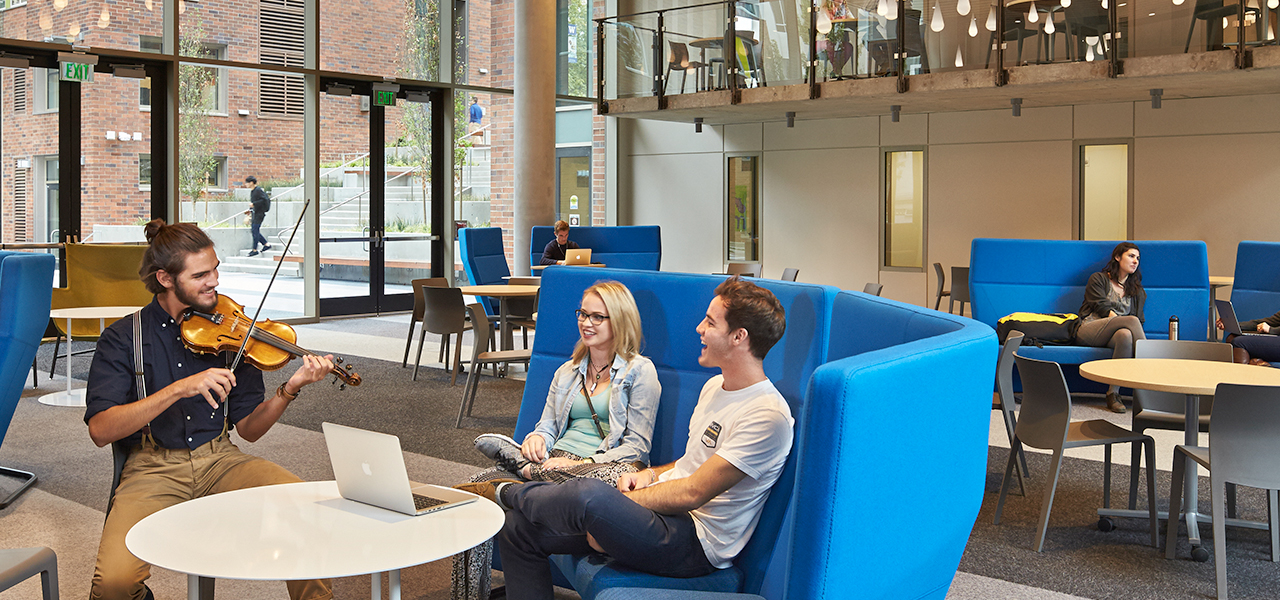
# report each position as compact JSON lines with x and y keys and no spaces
{"x":193,"y":300}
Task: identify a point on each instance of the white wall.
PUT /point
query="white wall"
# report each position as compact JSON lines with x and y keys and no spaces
{"x":1203,"y":169}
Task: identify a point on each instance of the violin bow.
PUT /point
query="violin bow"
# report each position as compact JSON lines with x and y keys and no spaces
{"x":253,"y":323}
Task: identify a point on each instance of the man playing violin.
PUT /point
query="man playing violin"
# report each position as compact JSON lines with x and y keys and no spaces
{"x":178,"y":430}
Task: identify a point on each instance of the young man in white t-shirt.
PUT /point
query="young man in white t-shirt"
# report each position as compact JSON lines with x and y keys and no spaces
{"x":690,"y":517}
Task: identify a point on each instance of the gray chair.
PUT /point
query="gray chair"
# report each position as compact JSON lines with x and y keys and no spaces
{"x":1004,"y":399}
{"x":1165,"y":410}
{"x":789,"y":274}
{"x":1045,"y":422}
{"x":744,"y":269}
{"x":19,"y":564}
{"x":445,"y":314}
{"x":872,"y":288}
{"x":479,"y":358}
{"x":1242,"y":449}
{"x":419,"y":306}
{"x":942,"y":285}
{"x":524,"y":311}
{"x":959,"y":289}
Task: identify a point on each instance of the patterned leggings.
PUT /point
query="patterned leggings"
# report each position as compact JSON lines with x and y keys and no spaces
{"x":471,"y":569}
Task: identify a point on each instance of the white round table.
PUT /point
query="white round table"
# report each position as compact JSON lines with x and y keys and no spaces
{"x":1194,"y":378}
{"x":72,"y":397}
{"x":303,"y":531}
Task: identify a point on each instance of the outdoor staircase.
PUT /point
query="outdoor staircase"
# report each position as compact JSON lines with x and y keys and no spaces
{"x":346,"y":218}
{"x":262,"y":264}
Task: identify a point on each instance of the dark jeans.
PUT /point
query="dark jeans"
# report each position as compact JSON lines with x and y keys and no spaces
{"x":256,"y":225}
{"x":555,"y":518}
{"x":1266,"y":347}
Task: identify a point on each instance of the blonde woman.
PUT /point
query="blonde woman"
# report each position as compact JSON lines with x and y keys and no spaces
{"x":600,"y":411}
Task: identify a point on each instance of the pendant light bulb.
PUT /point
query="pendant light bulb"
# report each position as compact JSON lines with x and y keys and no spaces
{"x":1273,"y":4}
{"x":991,"y":19}
{"x":973,"y":26}
{"x":58,"y":5}
{"x":1032,"y":15}
{"x":104,"y":19}
{"x":1271,"y":32}
{"x":824,"y":22}
{"x":1089,"y":56}
{"x":959,"y":58}
{"x":963,"y":7}
{"x":1048,"y":24}
{"x":149,"y":5}
{"x":893,"y":11}
{"x":1104,"y":4}
{"x":937,"y":23}
{"x":1066,"y":3}
{"x":882,"y":8}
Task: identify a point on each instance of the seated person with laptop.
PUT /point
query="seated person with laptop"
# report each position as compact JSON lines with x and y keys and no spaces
{"x":1255,"y":342}
{"x":554,"y":252}
{"x":176,"y":412}
{"x":688,"y":518}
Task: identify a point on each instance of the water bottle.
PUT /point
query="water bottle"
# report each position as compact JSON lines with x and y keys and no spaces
{"x":1173,"y":328}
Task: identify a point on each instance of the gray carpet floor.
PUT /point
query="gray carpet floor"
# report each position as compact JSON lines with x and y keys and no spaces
{"x":65,"y":510}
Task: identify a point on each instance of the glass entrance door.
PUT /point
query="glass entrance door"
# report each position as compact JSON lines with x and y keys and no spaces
{"x":573,"y":186}
{"x":376,"y":215}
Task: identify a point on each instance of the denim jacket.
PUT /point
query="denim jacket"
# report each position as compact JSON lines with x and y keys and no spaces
{"x":633,"y":407}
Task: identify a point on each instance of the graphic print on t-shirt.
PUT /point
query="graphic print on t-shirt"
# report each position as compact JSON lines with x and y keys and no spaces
{"x":711,"y":435}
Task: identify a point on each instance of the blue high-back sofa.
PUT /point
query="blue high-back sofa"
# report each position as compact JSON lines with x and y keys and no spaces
{"x":626,"y":247}
{"x":1256,"y":291}
{"x":1049,"y":276}
{"x":888,"y":351}
{"x":26,"y":288}
{"x":484,"y":259}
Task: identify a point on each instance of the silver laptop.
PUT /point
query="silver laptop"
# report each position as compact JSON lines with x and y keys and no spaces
{"x":1227,"y":314}
{"x":581,"y":256}
{"x":369,"y":467}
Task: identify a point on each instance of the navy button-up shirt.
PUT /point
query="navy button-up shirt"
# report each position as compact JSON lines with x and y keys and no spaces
{"x":189,"y":422}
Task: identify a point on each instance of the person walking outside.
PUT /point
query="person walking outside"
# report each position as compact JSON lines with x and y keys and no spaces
{"x":261,"y":205}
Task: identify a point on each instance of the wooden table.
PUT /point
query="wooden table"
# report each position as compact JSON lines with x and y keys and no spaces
{"x":1194,"y":378}
{"x":717,"y":43}
{"x":502,"y":292}
{"x":76,"y":397}
{"x":541,"y":267}
{"x":1215,"y":282}
{"x":303,"y":530}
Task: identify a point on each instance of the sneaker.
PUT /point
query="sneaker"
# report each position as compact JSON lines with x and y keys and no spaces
{"x":267,"y":247}
{"x":487,"y":489}
{"x":253,"y":253}
{"x":502,"y":450}
{"x":1114,"y":404}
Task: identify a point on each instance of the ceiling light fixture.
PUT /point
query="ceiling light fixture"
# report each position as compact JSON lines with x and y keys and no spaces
{"x":895,"y":112}
{"x":791,"y":119}
{"x":339,"y":89}
{"x":1017,"y":106}
{"x":697,"y":124}
{"x":1155,"y":97}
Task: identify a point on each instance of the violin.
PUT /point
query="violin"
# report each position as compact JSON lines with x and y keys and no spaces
{"x":269,"y":348}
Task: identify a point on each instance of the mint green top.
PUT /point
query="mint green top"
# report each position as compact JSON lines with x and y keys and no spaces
{"x":580,"y":437}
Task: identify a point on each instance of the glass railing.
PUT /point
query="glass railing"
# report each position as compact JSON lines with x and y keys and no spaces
{"x":683,"y":50}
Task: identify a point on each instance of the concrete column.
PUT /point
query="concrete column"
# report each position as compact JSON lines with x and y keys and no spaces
{"x":535,"y":123}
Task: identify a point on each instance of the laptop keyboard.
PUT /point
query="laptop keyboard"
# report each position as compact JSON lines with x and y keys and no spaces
{"x":420,"y":502}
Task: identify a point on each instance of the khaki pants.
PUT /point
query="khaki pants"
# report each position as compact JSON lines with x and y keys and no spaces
{"x":155,"y":478}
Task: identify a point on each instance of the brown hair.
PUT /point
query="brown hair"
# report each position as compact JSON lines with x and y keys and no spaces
{"x":561,"y":226}
{"x":169,"y":247}
{"x":624,"y":319}
{"x":755,"y":309}
{"x":1132,"y":285}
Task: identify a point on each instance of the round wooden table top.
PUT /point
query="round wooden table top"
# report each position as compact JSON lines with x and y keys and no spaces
{"x":94,"y":312}
{"x":499,"y":290}
{"x":1180,"y":376}
{"x":1221,"y":280}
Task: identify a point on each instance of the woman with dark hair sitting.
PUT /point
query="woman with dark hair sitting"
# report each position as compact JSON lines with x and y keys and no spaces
{"x":1111,"y":315}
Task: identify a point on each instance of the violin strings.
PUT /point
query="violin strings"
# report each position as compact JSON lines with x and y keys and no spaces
{"x":278,"y":342}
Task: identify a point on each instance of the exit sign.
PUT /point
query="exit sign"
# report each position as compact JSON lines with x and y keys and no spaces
{"x":72,"y":71}
{"x":384,"y":98}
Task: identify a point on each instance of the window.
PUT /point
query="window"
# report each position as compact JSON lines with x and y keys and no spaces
{"x":217,"y":177}
{"x":46,"y":88}
{"x":743,"y":209}
{"x":281,"y":32}
{"x":904,"y":208}
{"x":144,"y":171}
{"x":214,"y":96}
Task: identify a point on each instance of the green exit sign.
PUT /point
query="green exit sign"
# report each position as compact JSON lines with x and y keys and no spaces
{"x":384,"y":98}
{"x":71,"y":71}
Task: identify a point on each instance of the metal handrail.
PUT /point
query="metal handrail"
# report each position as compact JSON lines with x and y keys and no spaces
{"x":278,"y":194}
{"x":280,"y":235}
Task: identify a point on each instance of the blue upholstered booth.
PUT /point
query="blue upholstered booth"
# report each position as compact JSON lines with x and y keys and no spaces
{"x":899,"y":349}
{"x":1048,"y":276}
{"x":26,"y":287}
{"x":484,"y":259}
{"x":629,"y":247}
{"x":1256,"y":291}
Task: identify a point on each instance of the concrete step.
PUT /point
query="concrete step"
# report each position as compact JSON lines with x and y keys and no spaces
{"x":263,"y":264}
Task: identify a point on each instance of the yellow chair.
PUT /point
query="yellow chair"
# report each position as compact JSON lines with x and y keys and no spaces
{"x":98,"y":275}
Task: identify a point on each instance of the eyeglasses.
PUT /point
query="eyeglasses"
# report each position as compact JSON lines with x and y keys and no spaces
{"x":596,"y":319}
